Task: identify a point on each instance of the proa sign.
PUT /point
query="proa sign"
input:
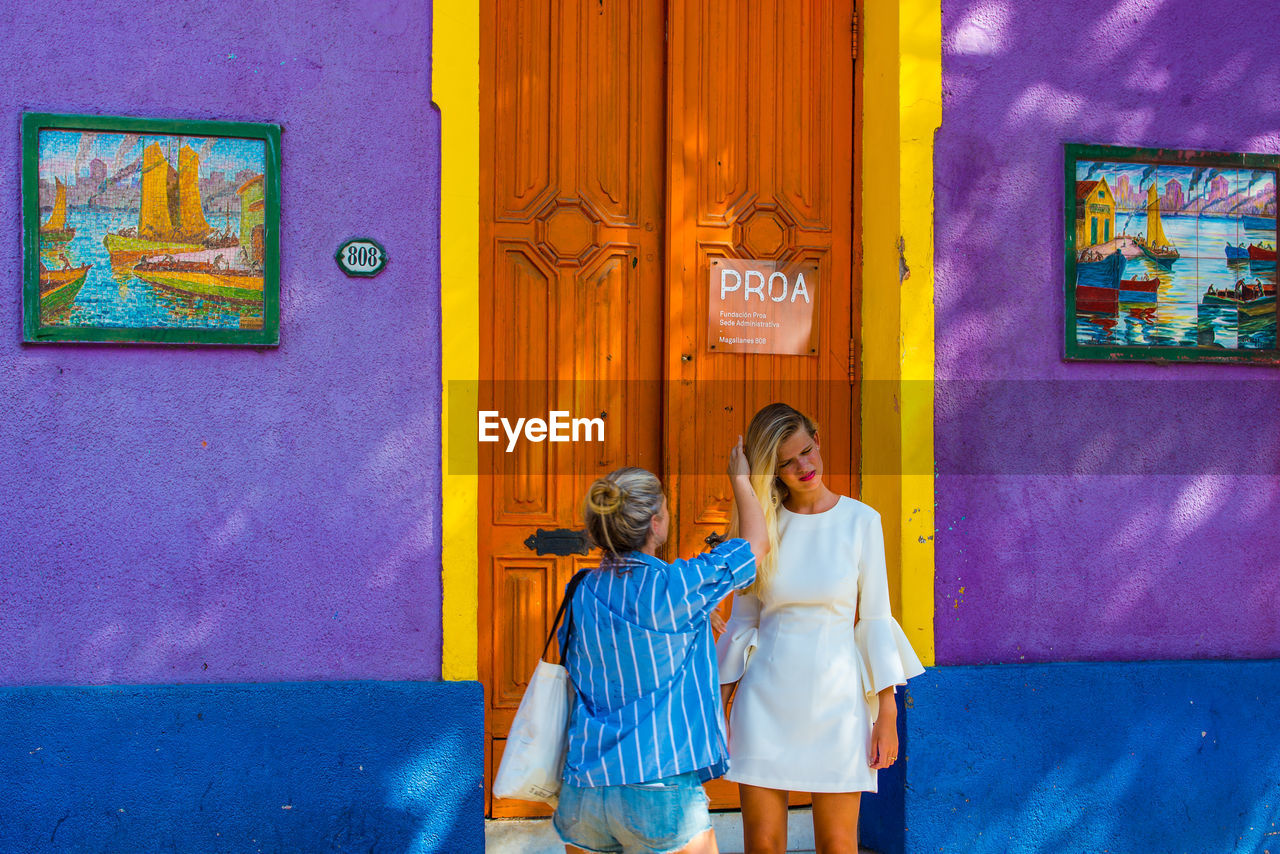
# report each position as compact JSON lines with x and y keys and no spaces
{"x":762,"y":307}
{"x":361,"y":256}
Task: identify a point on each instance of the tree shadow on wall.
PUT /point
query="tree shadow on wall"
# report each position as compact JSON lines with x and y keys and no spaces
{"x":1091,"y":511}
{"x":1082,"y":505}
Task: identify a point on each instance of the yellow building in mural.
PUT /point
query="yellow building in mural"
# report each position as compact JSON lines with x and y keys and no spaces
{"x":1095,"y":213}
{"x":252,"y":210}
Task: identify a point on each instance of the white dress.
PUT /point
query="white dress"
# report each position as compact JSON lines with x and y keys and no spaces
{"x":817,"y":648}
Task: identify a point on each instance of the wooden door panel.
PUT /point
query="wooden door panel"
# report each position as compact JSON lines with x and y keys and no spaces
{"x":809,"y":172}
{"x":571,"y":296}
{"x":613,"y":168}
{"x":526,"y":586}
{"x":523,"y":107}
{"x":522,"y":490}
{"x":721,"y":119}
{"x":608,"y":331}
{"x":760,"y":164}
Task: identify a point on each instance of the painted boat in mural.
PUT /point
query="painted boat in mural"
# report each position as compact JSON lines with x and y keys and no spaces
{"x":1247,"y":310}
{"x":209,"y":280}
{"x":1139,"y":290}
{"x":1242,"y":292}
{"x":1103,"y":272}
{"x":170,"y":217}
{"x":1266,"y":223}
{"x":227,"y":257}
{"x":56,"y":230}
{"x":59,"y":288}
{"x":126,"y":250}
{"x":1261,"y":253}
{"x":225,"y":239}
{"x":1164,"y":256}
{"x":1257,"y":287}
{"x":1156,"y":246}
{"x":1096,"y":300}
{"x":1260,"y":308}
{"x":1236,"y":254}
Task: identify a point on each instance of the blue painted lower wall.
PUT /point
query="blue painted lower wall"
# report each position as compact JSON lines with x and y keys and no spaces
{"x":1125,"y":758}
{"x":309,"y":767}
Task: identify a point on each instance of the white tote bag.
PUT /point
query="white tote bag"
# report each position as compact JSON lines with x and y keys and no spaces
{"x":534,"y":756}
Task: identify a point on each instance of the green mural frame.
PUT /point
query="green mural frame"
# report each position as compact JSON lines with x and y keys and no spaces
{"x":1073,"y":153}
{"x":34,"y":327}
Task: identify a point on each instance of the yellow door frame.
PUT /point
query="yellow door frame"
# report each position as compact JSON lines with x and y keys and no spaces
{"x":455,"y":89}
{"x":902,"y":108}
{"x":901,"y":72}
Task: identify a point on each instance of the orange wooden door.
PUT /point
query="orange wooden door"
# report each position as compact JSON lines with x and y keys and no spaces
{"x":623,"y":146}
{"x":761,"y":142}
{"x":572,"y":113}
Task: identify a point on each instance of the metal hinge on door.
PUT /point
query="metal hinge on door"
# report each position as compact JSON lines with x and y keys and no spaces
{"x":853,"y":361}
{"x":853,"y":34}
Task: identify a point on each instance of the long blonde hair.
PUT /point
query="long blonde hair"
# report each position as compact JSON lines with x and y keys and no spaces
{"x":618,"y":509}
{"x":770,"y":427}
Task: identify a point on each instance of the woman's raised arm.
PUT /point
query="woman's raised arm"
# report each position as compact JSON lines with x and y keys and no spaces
{"x":751,"y":525}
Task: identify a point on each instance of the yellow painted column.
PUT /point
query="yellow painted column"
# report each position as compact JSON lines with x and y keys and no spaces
{"x":902,"y":108}
{"x":455,"y":87}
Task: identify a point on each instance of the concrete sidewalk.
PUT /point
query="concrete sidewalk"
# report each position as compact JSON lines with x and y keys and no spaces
{"x":536,"y":836}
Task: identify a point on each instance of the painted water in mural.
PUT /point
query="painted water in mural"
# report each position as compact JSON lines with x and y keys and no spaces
{"x":1175,"y":256}
{"x":147,"y":231}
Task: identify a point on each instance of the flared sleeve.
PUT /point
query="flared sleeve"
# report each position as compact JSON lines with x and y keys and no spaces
{"x":887,"y":656}
{"x":739,"y":638}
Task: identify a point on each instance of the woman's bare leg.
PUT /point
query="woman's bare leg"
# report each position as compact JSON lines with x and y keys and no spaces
{"x":835,"y":822}
{"x":703,"y":843}
{"x":764,"y":819}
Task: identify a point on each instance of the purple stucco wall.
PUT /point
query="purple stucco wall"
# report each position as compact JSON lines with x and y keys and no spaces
{"x":1079,"y":519}
{"x":209,"y":515}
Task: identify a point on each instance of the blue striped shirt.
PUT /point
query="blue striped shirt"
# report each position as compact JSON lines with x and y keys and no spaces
{"x":646,"y":703}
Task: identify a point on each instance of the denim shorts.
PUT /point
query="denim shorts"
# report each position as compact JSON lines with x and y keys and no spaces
{"x":657,"y":817}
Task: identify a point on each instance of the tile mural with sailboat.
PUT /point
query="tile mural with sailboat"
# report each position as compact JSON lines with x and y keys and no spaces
{"x":1173,"y":255}
{"x":150,"y":231}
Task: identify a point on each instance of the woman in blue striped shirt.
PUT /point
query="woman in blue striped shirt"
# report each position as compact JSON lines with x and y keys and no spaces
{"x":646,"y":726}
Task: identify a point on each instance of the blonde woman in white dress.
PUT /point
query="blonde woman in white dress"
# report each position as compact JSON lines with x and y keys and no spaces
{"x":811,"y":653}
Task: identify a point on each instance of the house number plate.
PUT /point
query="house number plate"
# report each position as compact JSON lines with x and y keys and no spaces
{"x":361,"y":256}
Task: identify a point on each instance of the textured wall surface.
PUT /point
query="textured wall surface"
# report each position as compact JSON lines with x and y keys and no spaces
{"x":1091,"y":511}
{"x":223,"y":515}
{"x":1129,"y":758}
{"x":337,"y":766}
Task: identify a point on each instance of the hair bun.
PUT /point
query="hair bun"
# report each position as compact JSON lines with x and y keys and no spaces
{"x":606,"y":497}
{"x":619,"y":508}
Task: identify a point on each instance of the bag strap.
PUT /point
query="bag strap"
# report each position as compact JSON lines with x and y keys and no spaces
{"x":569,"y":590}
